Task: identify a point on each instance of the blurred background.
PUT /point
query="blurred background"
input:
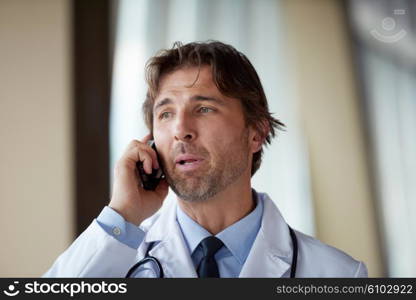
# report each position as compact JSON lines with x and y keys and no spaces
{"x":340,"y":74}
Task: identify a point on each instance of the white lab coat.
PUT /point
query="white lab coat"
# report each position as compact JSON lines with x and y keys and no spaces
{"x":98,"y":254}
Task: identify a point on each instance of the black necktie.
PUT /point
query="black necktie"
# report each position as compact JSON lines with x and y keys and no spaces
{"x":208,"y":266}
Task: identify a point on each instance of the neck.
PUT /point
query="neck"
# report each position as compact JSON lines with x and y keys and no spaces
{"x":222,"y":210}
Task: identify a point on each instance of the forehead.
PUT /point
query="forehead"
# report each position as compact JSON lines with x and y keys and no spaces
{"x":187,"y":79}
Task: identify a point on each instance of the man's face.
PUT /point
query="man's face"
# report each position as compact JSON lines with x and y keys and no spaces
{"x":201,"y":135}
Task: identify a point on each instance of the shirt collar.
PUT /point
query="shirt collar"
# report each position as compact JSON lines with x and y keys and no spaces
{"x":238,"y":237}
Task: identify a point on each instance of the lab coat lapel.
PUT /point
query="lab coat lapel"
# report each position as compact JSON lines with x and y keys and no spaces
{"x":171,"y":249}
{"x":270,"y":255}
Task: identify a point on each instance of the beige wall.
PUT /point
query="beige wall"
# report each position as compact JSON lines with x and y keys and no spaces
{"x":35,"y":127}
{"x":327,"y":97}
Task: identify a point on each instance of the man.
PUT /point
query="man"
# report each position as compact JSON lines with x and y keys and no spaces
{"x":208,"y":116}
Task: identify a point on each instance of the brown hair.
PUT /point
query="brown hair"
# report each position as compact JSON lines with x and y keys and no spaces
{"x":233,"y":74}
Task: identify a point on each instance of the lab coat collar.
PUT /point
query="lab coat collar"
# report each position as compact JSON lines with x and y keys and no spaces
{"x":162,"y":225}
{"x":170,"y":247}
{"x":270,"y":255}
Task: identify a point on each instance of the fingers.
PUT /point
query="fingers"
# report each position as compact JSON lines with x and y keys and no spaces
{"x":147,"y":161}
{"x":147,"y":138}
{"x":139,"y":151}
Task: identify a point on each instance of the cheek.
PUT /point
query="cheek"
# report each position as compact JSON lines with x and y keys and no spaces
{"x":224,"y":142}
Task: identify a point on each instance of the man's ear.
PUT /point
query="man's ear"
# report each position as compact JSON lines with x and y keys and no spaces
{"x":259,"y":135}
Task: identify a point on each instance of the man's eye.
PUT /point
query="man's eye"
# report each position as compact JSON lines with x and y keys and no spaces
{"x":205,"y":109}
{"x":164,"y":115}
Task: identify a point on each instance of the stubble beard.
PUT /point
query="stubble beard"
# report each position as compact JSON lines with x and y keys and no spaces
{"x":205,"y":184}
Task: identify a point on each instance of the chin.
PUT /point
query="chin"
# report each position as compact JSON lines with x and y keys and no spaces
{"x":197,"y":190}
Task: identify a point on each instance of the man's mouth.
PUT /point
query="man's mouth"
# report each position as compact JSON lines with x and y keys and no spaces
{"x":185,"y":162}
{"x":188,"y":162}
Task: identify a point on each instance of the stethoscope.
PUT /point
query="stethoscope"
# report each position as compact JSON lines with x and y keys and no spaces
{"x":158,"y":265}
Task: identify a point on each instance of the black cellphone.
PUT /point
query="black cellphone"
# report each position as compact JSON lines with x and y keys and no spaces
{"x":150,"y":181}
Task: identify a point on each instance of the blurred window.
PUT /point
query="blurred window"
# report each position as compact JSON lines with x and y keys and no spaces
{"x":385,"y":44}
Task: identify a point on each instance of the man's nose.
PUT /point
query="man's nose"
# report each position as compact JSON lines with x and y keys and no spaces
{"x":184,"y":128}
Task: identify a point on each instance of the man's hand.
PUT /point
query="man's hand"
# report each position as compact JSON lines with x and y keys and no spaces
{"x":128,"y":197}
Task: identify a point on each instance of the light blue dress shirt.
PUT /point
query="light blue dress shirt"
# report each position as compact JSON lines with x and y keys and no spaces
{"x":238,"y":238}
{"x":114,"y":224}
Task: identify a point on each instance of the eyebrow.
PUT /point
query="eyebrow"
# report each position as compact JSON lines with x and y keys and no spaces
{"x":166,"y":101}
